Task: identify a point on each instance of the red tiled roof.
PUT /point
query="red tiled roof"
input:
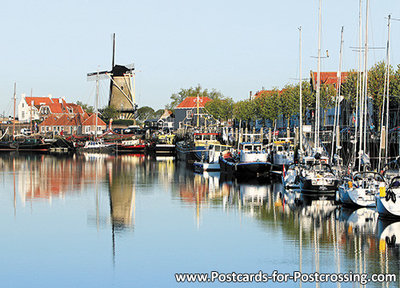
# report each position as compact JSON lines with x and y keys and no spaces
{"x":64,"y":120}
{"x":49,"y":121}
{"x":191,"y":102}
{"x":75,"y":107}
{"x":328,"y":78}
{"x":56,"y":108}
{"x":38,"y":100}
{"x":56,"y":105}
{"x":267,"y":92}
{"x":91,"y":121}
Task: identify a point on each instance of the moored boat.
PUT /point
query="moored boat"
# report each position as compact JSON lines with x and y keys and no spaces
{"x":317,"y":177}
{"x":249,"y":161}
{"x":282,"y":155}
{"x":130,"y":146}
{"x":210,"y":159}
{"x":360,"y":189}
{"x":388,"y":200}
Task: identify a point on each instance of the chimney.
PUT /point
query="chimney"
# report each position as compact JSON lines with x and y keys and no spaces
{"x":251,"y":95}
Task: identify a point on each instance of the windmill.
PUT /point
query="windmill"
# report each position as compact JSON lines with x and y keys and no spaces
{"x":122,"y":86}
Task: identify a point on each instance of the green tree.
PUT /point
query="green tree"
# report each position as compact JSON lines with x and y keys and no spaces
{"x":144,"y":113}
{"x":220,"y":108}
{"x":245,"y":110}
{"x":348,"y":89}
{"x":157,"y":114}
{"x":289,"y":102}
{"x":327,"y":98}
{"x":108,"y":113}
{"x":268,"y":105}
{"x":192,"y":92}
{"x":86,"y":107}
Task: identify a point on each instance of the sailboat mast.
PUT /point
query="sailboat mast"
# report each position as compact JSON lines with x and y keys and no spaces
{"x":15,"y":101}
{"x":358,"y":92}
{"x":300,"y":96}
{"x":97,"y":102}
{"x":112,"y":69}
{"x":317,"y":100}
{"x":366,"y":79}
{"x":360,"y":101}
{"x":337,"y":102}
{"x":387,"y":93}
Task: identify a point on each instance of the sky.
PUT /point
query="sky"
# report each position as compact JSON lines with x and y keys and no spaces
{"x":235,"y":47}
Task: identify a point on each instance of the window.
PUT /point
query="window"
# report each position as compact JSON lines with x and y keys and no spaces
{"x":23,"y":114}
{"x":189,"y":114}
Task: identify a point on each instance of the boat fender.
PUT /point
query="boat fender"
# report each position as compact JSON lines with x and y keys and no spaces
{"x":393,"y":197}
{"x":390,"y":241}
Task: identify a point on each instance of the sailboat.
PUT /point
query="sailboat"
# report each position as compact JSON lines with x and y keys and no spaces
{"x":361,"y":187}
{"x":97,"y":144}
{"x":316,"y":175}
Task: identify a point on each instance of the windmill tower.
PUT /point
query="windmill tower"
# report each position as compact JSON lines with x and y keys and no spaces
{"x":122,"y":87}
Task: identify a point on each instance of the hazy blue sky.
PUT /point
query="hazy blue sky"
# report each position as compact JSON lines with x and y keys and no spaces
{"x":232,"y":46}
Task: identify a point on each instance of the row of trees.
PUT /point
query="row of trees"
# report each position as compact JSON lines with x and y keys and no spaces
{"x":270,"y":105}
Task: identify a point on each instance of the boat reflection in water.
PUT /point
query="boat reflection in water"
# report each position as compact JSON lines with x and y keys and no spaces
{"x":328,"y":238}
{"x":310,"y":233}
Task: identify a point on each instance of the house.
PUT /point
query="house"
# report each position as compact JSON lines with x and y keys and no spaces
{"x":68,"y":125}
{"x":89,"y":125}
{"x":186,"y":112}
{"x":330,"y":78}
{"x":39,"y":108}
{"x":167,"y":119}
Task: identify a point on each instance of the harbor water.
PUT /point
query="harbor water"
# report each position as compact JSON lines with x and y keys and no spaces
{"x":96,"y":220}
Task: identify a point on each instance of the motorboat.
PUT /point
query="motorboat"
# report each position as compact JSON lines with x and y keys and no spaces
{"x":250,"y":159}
{"x":210,"y":158}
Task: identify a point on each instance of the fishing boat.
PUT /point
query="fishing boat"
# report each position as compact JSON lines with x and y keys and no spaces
{"x":249,"y":160}
{"x":8,"y":146}
{"x":282,"y":154}
{"x":130,"y":146}
{"x":162,"y":145}
{"x":97,"y":145}
{"x":210,"y":158}
{"x":360,"y":189}
{"x":192,"y":148}
{"x":32,"y":145}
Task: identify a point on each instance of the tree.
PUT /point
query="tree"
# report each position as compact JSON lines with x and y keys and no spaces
{"x":108,"y":113}
{"x":144,"y":113}
{"x":86,"y":107}
{"x":289,"y":102}
{"x":220,"y":108}
{"x":157,"y":114}
{"x":245,"y":110}
{"x":348,"y":89}
{"x":268,"y":105}
{"x":327,"y":98}
{"x":192,"y":92}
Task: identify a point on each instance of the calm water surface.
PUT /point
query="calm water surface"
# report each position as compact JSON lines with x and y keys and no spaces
{"x":132,"y":221}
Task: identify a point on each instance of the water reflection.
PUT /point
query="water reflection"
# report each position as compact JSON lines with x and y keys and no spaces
{"x":317,"y":234}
